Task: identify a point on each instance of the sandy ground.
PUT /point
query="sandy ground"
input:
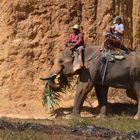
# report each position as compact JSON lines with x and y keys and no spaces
{"x":34,"y":109}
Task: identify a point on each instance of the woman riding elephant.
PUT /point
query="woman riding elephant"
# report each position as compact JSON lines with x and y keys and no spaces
{"x":115,"y":36}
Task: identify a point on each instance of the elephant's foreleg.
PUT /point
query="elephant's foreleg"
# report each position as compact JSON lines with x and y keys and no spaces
{"x":101,"y":93}
{"x":83,"y":88}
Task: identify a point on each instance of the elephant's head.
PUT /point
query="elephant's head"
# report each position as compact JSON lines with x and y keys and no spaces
{"x":63,"y":66}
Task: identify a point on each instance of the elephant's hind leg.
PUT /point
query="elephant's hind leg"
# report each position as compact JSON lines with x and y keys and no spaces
{"x":137,"y":93}
{"x":137,"y":116}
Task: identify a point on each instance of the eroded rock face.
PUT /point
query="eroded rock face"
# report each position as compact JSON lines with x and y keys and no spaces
{"x":33,"y":32}
{"x":136,"y":24}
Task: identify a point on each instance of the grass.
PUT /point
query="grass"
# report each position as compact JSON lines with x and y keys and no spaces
{"x":26,"y":135}
{"x":118,"y":123}
{"x":122,"y":124}
{"x":31,"y":135}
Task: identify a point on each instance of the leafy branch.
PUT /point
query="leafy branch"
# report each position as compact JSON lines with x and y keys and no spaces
{"x":51,"y":98}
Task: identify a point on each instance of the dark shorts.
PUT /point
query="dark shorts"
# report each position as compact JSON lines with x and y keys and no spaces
{"x":113,"y":36}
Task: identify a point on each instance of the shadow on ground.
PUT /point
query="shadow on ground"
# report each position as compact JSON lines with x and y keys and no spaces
{"x":113,"y":109}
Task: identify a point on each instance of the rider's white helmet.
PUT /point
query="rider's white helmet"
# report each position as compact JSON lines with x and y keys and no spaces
{"x":118,"y":17}
{"x":76,"y":26}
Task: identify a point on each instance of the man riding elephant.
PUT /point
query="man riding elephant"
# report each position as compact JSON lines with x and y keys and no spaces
{"x":115,"y":36}
{"x":74,"y":47}
{"x":76,"y":44}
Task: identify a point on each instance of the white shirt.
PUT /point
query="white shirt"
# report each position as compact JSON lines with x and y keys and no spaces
{"x":118,"y":27}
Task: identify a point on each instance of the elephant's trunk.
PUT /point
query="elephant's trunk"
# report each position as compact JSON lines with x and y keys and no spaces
{"x":53,"y":85}
{"x":53,"y":72}
{"x":51,"y":75}
{"x":62,"y":82}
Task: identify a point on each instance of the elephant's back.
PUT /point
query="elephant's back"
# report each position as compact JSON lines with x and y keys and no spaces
{"x":91,"y":52}
{"x":134,"y":59}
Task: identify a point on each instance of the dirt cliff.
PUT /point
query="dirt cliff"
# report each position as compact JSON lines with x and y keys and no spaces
{"x":32,"y":32}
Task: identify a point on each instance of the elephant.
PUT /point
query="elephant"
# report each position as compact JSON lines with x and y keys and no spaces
{"x":119,"y":74}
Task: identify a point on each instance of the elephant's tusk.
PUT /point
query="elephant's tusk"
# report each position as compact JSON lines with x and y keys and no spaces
{"x":49,"y":78}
